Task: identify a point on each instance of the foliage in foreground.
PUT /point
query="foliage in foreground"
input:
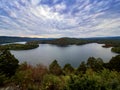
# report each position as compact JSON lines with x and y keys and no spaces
{"x":8,"y":63}
{"x":90,"y":80}
{"x":92,"y":75}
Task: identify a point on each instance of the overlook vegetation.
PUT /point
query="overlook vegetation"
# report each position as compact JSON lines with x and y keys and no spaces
{"x":91,"y":75}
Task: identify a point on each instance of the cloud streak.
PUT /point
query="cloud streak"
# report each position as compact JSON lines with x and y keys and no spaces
{"x":60,"y":18}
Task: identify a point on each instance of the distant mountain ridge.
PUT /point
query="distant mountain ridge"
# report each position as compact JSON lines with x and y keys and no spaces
{"x":112,"y":37}
{"x":9,"y":39}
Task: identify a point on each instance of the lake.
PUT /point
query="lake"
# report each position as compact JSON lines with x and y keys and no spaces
{"x":72,"y":54}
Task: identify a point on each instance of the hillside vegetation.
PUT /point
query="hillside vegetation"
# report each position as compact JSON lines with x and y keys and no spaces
{"x":91,"y":75}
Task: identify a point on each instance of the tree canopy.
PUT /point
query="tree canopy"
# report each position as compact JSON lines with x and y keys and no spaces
{"x":55,"y":68}
{"x":8,"y":63}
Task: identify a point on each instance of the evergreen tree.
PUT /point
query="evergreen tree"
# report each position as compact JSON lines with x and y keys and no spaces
{"x":8,"y":63}
{"x":68,"y":69}
{"x":114,"y":63}
{"x":82,"y":68}
{"x":95,"y":64}
{"x":55,"y":68}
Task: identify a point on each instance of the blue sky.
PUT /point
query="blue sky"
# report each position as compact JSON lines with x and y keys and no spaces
{"x":60,"y":18}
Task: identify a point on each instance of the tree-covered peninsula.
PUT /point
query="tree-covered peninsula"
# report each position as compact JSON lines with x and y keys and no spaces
{"x":18,"y":46}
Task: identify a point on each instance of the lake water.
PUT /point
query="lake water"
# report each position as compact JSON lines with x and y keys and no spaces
{"x":72,"y":54}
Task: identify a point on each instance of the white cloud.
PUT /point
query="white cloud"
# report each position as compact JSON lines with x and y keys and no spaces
{"x":59,"y":7}
{"x":35,"y":2}
{"x":41,"y":20}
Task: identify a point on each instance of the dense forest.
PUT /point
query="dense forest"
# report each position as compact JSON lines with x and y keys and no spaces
{"x":91,"y":75}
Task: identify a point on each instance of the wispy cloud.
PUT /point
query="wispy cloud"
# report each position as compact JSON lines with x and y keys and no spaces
{"x":59,"y":18}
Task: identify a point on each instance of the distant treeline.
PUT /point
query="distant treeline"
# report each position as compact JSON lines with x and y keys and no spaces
{"x":91,"y":75}
{"x":79,"y":41}
{"x":7,"y":39}
{"x":108,"y":41}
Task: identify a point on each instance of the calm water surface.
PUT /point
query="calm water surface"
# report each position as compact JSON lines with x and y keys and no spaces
{"x":72,"y":54}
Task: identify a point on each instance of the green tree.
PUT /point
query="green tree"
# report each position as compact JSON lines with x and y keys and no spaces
{"x":55,"y":68}
{"x":68,"y":69}
{"x":99,"y":64}
{"x":52,"y":82}
{"x":114,"y":63}
{"x":95,"y":64}
{"x":82,"y":68}
{"x":8,"y":63}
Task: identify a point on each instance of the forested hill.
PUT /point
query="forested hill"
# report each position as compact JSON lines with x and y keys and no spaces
{"x":112,"y":41}
{"x":8,"y":39}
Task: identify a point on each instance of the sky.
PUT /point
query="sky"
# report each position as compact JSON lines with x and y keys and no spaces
{"x":59,"y":18}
